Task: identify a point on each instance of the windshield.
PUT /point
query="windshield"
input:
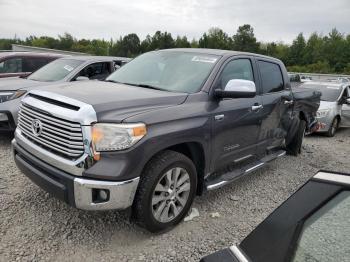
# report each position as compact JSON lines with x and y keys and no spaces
{"x":55,"y":71}
{"x":170,"y":71}
{"x":329,"y":92}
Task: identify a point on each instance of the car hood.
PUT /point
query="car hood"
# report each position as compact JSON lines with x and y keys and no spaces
{"x":327,"y":105}
{"x":114,"y":102}
{"x":15,"y":83}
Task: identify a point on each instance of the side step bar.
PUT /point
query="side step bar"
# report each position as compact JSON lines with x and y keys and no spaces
{"x":229,"y":177}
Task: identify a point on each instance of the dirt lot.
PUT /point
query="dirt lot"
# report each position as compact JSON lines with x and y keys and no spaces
{"x":34,"y":226}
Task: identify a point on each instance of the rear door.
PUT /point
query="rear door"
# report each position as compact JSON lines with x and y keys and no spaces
{"x":277,"y":103}
{"x":345,"y":111}
{"x":236,"y":122}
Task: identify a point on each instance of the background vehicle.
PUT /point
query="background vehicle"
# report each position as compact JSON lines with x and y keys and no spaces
{"x":312,"y":225}
{"x":163,"y":128}
{"x":68,"y":69}
{"x":334,"y":110}
{"x":23,"y":63}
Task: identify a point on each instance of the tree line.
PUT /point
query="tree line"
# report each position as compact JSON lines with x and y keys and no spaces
{"x":316,"y":54}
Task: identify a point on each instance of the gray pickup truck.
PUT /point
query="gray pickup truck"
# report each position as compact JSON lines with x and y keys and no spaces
{"x":165,"y":127}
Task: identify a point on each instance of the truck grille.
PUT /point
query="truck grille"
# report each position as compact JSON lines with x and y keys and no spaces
{"x":54,"y":134}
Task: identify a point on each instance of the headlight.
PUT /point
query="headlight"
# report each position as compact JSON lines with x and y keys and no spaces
{"x":6,"y":96}
{"x":112,"y":137}
{"x":323,"y":113}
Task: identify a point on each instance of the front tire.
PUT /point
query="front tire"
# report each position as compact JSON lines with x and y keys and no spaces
{"x":166,"y":191}
{"x":333,"y":128}
{"x":294,"y":147}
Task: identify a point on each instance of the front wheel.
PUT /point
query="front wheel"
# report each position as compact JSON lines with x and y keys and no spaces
{"x":294,"y":147}
{"x":166,"y":191}
{"x":333,"y":128}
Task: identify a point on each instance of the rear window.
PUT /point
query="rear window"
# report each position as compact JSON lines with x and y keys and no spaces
{"x":329,"y":92}
{"x":271,"y":77}
{"x":31,"y":64}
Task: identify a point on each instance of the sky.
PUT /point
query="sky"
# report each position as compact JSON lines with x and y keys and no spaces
{"x":272,"y":20}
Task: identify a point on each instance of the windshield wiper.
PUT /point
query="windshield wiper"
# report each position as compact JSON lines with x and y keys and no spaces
{"x":113,"y":81}
{"x":145,"y":86}
{"x":138,"y":85}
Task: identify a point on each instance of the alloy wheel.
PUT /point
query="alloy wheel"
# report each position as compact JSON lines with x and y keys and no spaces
{"x":171,"y":194}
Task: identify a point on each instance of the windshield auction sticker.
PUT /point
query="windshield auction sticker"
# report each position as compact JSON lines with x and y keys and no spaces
{"x":68,"y":68}
{"x":204,"y":59}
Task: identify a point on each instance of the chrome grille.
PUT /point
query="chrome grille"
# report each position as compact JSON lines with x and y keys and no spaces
{"x":60,"y":136}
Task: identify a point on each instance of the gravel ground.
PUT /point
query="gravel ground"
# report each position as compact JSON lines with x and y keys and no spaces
{"x":36,"y":227}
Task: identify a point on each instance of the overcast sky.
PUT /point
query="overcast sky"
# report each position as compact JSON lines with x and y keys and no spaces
{"x":273,"y":20}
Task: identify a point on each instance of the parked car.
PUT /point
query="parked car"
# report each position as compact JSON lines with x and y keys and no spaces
{"x":168,"y":125}
{"x":67,"y":69}
{"x":312,"y":225}
{"x":334,"y":110}
{"x":295,"y":80}
{"x":22,"y":64}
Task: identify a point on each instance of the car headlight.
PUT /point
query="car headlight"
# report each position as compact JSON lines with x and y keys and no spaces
{"x":9,"y":95}
{"x":113,"y":137}
{"x":322,"y":113}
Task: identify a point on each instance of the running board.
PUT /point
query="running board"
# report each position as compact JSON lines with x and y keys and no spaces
{"x":229,"y":177}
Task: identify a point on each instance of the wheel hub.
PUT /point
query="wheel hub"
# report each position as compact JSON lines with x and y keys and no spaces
{"x":171,"y":194}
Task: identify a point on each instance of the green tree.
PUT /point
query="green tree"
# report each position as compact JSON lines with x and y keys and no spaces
{"x":182,"y":42}
{"x":245,"y":40}
{"x":297,"y":51}
{"x":215,"y":38}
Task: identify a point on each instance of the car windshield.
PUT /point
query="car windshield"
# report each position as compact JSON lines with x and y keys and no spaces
{"x":167,"y":70}
{"x":55,"y":71}
{"x":329,"y":92}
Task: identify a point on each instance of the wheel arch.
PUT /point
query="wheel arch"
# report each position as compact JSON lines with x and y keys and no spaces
{"x":196,"y":153}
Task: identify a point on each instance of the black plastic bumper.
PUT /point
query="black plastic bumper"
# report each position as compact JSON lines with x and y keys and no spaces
{"x":52,"y":180}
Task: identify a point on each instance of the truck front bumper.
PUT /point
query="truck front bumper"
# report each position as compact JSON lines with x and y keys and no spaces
{"x":79,"y":192}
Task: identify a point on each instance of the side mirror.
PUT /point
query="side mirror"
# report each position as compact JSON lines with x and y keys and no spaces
{"x":82,"y":78}
{"x":237,"y":88}
{"x":347,"y":101}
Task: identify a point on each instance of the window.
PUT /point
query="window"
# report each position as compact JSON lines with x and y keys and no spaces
{"x":31,"y":64}
{"x":96,"y":71}
{"x":325,"y":235}
{"x":12,"y":65}
{"x":271,"y":77}
{"x":237,"y":69}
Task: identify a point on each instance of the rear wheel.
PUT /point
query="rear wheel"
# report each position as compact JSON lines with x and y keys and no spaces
{"x":294,"y":146}
{"x":166,"y":191}
{"x":333,"y":128}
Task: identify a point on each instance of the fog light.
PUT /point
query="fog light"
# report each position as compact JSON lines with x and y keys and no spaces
{"x":100,"y":195}
{"x":103,"y":195}
{"x":3,"y":117}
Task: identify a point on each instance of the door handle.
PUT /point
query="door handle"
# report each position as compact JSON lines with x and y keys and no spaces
{"x":219,"y":117}
{"x":288,"y":102}
{"x":256,"y":107}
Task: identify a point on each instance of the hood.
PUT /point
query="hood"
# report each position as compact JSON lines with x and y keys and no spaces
{"x":114,"y":102}
{"x":14,"y":83}
{"x":327,"y":105}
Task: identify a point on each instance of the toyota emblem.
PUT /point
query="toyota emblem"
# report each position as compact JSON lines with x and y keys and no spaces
{"x":37,"y":127}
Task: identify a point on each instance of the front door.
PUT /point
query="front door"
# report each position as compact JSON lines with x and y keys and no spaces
{"x":236,"y":121}
{"x":345,"y":110}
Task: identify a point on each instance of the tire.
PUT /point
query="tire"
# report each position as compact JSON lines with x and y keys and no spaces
{"x":155,"y":184}
{"x":333,"y":128}
{"x":294,"y":147}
